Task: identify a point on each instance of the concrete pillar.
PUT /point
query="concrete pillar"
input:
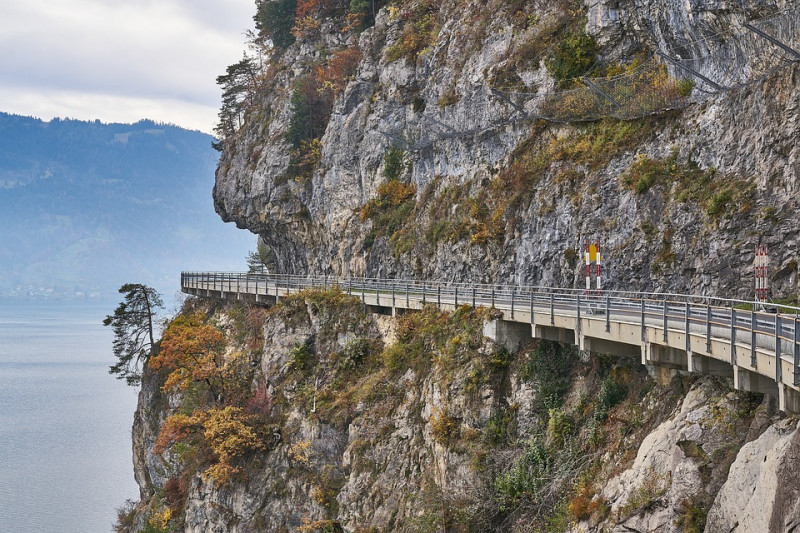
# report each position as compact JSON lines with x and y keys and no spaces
{"x":665,"y":356}
{"x":552,"y":333}
{"x":788,"y":399}
{"x":508,"y":334}
{"x":746,"y":380}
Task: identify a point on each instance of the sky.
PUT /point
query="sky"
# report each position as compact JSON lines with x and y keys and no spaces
{"x":120,"y":60}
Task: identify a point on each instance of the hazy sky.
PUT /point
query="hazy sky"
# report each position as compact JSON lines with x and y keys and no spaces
{"x":119,"y":60}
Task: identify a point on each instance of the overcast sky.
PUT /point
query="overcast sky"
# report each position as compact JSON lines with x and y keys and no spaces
{"x":119,"y":60}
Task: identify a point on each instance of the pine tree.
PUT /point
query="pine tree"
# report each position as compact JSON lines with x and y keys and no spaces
{"x":132,"y":322}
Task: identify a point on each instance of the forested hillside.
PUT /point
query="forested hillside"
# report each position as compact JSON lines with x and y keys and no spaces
{"x":87,"y":206}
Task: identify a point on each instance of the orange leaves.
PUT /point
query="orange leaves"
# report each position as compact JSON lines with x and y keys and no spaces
{"x":340,"y":67}
{"x":176,"y":428}
{"x":191,"y":350}
{"x":227,"y":433}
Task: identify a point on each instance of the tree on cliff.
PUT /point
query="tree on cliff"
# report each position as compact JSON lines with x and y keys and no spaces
{"x":132,"y":322}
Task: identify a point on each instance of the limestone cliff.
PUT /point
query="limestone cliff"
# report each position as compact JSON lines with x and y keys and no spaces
{"x":345,"y":421}
{"x":451,"y":139}
{"x":678,"y":198}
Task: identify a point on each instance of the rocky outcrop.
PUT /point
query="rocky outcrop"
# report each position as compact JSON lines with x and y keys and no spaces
{"x":456,"y":134}
{"x":761,"y":492}
{"x":366,"y":433}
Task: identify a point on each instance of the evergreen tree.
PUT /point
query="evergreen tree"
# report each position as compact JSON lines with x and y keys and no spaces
{"x":132,"y":322}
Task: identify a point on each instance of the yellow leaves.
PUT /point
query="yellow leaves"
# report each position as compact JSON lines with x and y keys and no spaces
{"x":227,"y":433}
{"x":301,"y":452}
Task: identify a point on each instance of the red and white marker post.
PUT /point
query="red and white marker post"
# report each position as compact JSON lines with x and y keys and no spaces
{"x":592,"y":255}
{"x":761,"y":272}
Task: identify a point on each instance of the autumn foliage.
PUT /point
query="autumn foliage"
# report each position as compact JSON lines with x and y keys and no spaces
{"x":228,"y":419}
{"x":226,"y":434}
{"x":192,"y":351}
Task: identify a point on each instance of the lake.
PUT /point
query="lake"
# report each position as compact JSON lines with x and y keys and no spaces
{"x":65,"y":423}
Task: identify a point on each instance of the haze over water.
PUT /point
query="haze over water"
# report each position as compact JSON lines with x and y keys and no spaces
{"x":65,"y":423}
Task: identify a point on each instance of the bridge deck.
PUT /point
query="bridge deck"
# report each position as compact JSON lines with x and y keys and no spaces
{"x":668,"y":331}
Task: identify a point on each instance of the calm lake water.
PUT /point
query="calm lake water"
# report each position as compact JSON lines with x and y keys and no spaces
{"x":65,"y":423}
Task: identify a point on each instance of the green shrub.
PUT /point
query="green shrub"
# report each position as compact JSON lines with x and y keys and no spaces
{"x":611,"y":393}
{"x":548,"y":369}
{"x":525,"y":477}
{"x":275,"y":20}
{"x":393,"y":163}
{"x":301,"y":357}
{"x":572,"y":57}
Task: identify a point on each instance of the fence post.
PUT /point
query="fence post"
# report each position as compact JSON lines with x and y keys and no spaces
{"x":686,"y":327}
{"x":644,"y":333}
{"x":733,"y":336}
{"x":778,"y":366}
{"x":531,"y":295}
{"x":753,"y":358}
{"x":796,"y":353}
{"x":513,"y":291}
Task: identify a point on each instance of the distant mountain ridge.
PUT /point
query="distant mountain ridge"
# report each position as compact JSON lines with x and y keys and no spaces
{"x":87,"y":206}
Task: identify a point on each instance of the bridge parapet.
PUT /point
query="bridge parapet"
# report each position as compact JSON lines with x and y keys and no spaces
{"x":759,"y":350}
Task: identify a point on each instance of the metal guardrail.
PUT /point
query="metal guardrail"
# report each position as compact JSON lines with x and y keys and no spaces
{"x":748,"y":329}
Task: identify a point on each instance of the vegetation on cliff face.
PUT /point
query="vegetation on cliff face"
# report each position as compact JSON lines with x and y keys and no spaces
{"x":311,"y":416}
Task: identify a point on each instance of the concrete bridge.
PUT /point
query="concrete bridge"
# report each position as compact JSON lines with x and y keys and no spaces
{"x":758,"y":349}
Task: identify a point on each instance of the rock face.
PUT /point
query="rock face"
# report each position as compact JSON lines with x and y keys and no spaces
{"x":761,"y":491}
{"x":431,"y":164}
{"x":365,"y":433}
{"x":457,"y":135}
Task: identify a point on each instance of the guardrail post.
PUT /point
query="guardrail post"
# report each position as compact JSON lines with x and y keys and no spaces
{"x":552,"y":309}
{"x":350,"y":286}
{"x":473,"y":297}
{"x":393,"y":300}
{"x":531,"y":295}
{"x":796,"y":353}
{"x":644,"y":332}
{"x":708,"y":328}
{"x":578,"y":314}
{"x":439,"y":295}
{"x":664,"y":333}
{"x":325,"y":282}
{"x":512,"y":303}
{"x":455,"y":297}
{"x":753,"y":359}
{"x":733,"y":336}
{"x":407,"y":291}
{"x":363,"y":300}
{"x":492,"y":297}
{"x":378,"y":295}
{"x":423,"y":293}
{"x":778,"y":366}
{"x":608,"y":313}
{"x":686,"y":330}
